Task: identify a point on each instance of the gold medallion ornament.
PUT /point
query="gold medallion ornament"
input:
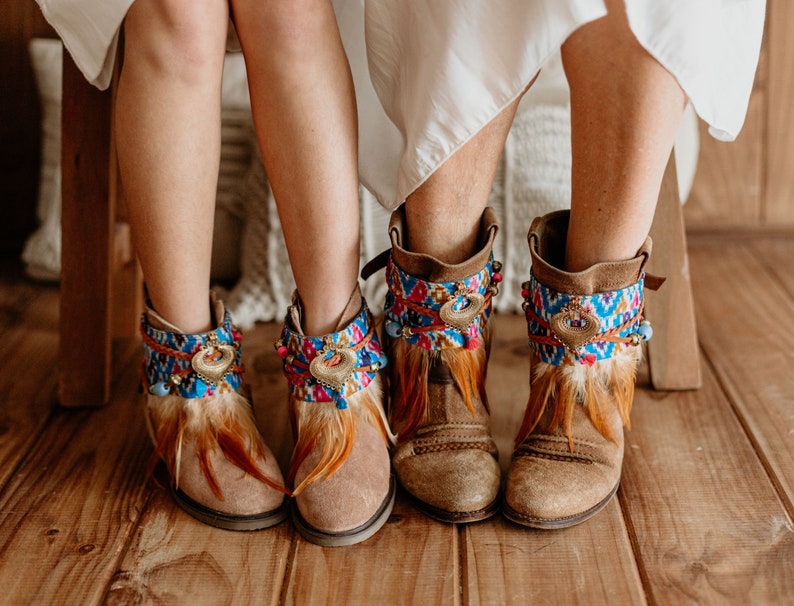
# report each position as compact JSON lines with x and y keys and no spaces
{"x":574,"y":326}
{"x":460,"y":319}
{"x":333,"y":366}
{"x":214,"y":360}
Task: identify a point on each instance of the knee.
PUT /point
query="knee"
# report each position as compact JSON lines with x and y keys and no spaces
{"x":184,"y":40}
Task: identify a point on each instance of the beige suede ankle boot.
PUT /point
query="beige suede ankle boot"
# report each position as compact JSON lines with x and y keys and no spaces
{"x":200,"y":419}
{"x":585,"y":329}
{"x":438,"y":344}
{"x":341,"y":470}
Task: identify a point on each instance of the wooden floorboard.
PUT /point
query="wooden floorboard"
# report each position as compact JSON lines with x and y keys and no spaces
{"x":174,"y":559}
{"x":69,"y":509}
{"x":587,"y":564}
{"x":704,"y":513}
{"x":412,"y":560}
{"x":745,"y":318}
{"x":28,"y":350}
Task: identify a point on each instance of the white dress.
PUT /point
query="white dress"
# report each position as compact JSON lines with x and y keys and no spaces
{"x":429,"y":74}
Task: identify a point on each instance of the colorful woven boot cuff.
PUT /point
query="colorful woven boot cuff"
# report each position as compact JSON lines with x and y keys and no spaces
{"x":333,"y":367}
{"x":440,"y":315}
{"x":192,"y":366}
{"x":570,"y":329}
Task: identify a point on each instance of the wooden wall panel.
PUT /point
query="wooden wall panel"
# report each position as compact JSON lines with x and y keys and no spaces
{"x":727,"y":191}
{"x":779,"y":191}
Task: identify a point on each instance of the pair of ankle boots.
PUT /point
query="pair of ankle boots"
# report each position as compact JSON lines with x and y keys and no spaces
{"x":583,"y":330}
{"x":221,"y":472}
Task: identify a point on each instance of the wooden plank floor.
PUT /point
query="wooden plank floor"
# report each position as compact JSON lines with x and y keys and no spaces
{"x":703,"y":515}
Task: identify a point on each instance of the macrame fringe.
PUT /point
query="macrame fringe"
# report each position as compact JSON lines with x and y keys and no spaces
{"x":323,"y":430}
{"x":556,"y":390}
{"x":409,"y":373}
{"x":224,"y":421}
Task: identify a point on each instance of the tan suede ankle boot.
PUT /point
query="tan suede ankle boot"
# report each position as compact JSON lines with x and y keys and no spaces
{"x":202,"y":425}
{"x":341,"y":470}
{"x":438,"y":344}
{"x":584,"y":330}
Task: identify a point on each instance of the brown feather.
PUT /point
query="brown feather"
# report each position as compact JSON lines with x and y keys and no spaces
{"x":555,"y":390}
{"x":327,"y":434}
{"x":408,"y":379}
{"x":542,"y":391}
{"x":224,"y":421}
{"x":408,"y":375}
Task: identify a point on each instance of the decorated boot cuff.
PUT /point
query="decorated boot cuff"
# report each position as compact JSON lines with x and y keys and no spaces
{"x":582,"y":329}
{"x":440,"y":315}
{"x":192,"y":366}
{"x":333,"y":367}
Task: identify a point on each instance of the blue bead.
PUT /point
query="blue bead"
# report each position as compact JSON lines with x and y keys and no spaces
{"x":645,"y":331}
{"x":393,"y":329}
{"x":201,"y":388}
{"x":159,"y":389}
{"x":383,"y":361}
{"x":341,"y":404}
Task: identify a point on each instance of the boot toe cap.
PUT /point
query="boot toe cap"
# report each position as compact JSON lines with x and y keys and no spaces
{"x":455,"y":481}
{"x":547,"y":493}
{"x":355,"y":493}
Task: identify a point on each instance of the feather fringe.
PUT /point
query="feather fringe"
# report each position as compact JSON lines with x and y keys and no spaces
{"x":555,"y":390}
{"x":321,"y":427}
{"x":409,"y":372}
{"x":224,"y":421}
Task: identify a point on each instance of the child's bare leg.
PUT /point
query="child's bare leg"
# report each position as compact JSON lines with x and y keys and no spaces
{"x":305,"y":116}
{"x":168,"y":138}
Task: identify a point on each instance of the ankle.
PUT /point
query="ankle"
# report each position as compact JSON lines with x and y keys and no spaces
{"x":325,"y":315}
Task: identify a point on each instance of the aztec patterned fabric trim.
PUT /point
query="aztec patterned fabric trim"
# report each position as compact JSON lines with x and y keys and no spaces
{"x":196,"y":366}
{"x":440,"y":315}
{"x":569,"y":329}
{"x":333,"y":367}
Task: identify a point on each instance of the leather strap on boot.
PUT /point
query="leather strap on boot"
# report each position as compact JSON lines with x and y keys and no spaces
{"x":331,"y":368}
{"x":440,"y":315}
{"x":569,"y":329}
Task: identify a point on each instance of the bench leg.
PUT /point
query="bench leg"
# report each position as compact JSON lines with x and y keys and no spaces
{"x":88,"y":219}
{"x":673,"y":353}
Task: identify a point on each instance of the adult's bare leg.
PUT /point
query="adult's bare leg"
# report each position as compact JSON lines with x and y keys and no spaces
{"x":625,"y":112}
{"x":443,"y":214}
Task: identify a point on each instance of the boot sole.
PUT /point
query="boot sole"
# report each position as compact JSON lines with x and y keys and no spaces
{"x":347,"y":537}
{"x":456,"y":517}
{"x":556,"y":523}
{"x":226,"y":521}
